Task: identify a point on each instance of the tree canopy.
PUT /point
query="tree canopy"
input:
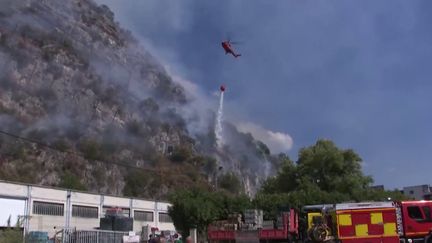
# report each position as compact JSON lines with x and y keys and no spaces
{"x":197,"y":208}
{"x":323,"y":173}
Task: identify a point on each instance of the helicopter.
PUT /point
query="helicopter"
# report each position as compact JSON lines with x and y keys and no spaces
{"x":228,"y":48}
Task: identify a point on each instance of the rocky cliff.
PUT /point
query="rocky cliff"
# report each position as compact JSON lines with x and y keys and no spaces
{"x":86,"y":106}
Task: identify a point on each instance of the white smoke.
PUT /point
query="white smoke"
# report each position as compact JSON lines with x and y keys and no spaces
{"x":199,"y":111}
{"x":277,"y":142}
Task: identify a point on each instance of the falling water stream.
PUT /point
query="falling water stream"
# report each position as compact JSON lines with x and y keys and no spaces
{"x":219,"y":117}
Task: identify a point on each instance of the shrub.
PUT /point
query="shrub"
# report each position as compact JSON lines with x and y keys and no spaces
{"x":11,"y":235}
{"x":16,"y":150}
{"x":180,"y":154}
{"x":61,"y":144}
{"x":91,"y":149}
{"x":136,"y":183}
{"x":210,"y":165}
{"x":71,"y":181}
{"x":230,"y":182}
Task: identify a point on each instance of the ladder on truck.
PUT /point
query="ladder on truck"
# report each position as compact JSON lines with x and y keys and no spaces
{"x":399,"y":220}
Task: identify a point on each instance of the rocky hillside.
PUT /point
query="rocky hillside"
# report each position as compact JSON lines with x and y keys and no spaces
{"x":87,"y":107}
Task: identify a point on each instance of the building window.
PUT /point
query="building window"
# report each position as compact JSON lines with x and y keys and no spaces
{"x":85,"y":212}
{"x":164,"y":218}
{"x":411,"y":192}
{"x":46,"y":208}
{"x":143,"y":216}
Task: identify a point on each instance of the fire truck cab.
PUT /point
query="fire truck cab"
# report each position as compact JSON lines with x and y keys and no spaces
{"x":416,"y":221}
{"x":372,"y":222}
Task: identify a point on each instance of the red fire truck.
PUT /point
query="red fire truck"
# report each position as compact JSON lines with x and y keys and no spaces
{"x":365,"y":222}
{"x":372,"y":222}
{"x":286,"y":231}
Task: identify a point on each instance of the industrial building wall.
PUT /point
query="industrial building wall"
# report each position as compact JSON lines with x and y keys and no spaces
{"x":84,"y":224}
{"x":12,"y":190}
{"x":51,"y":209}
{"x":86,"y":210}
{"x":46,"y":223}
{"x":163,"y":219}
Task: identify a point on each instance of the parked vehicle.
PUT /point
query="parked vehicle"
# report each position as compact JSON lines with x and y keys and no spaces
{"x":250,"y":227}
{"x":364,"y":222}
{"x":371,"y":222}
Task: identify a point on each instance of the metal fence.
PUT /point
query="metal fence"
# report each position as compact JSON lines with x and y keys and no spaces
{"x":91,"y":236}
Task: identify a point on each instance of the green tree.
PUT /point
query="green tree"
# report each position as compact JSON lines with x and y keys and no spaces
{"x":197,"y":208}
{"x":332,"y":169}
{"x":234,"y":204}
{"x":230,"y":182}
{"x":194,"y":208}
{"x":272,"y":203}
{"x":71,"y":181}
{"x":323,"y":173}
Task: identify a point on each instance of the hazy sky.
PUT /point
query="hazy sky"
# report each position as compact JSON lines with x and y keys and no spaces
{"x":356,"y":72}
{"x":12,"y":208}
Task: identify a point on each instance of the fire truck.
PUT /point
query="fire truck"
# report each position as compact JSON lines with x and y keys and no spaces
{"x":250,"y":228}
{"x":370,"y":222}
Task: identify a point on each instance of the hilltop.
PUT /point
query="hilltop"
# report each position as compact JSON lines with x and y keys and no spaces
{"x":95,"y":111}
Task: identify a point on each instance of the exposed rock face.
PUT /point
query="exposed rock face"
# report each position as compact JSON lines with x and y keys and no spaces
{"x":72,"y":79}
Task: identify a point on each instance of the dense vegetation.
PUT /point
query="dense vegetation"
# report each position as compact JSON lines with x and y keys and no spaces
{"x":12,"y":234}
{"x":323,"y":173}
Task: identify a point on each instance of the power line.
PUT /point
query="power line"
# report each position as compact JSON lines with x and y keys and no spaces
{"x":40,"y":143}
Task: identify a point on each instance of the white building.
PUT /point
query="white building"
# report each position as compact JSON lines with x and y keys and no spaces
{"x":419,"y":192}
{"x":51,"y":209}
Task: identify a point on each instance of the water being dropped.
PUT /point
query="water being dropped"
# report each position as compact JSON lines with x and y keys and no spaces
{"x":219,"y":117}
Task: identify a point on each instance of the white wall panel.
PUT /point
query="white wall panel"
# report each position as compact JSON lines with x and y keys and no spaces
{"x":116,"y":201}
{"x":84,"y":223}
{"x":46,"y":223}
{"x":12,"y":190}
{"x":143,"y":204}
{"x":54,"y":195}
{"x":85,"y":198}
